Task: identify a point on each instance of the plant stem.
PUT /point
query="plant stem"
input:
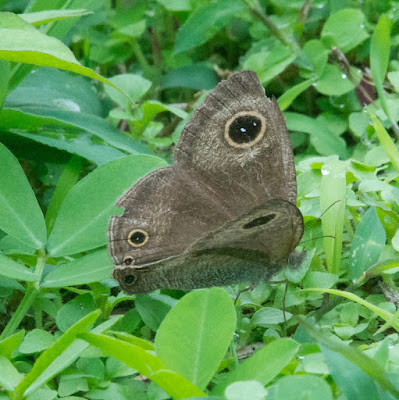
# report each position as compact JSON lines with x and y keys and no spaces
{"x":257,"y":10}
{"x":20,"y":312}
{"x":29,"y":297}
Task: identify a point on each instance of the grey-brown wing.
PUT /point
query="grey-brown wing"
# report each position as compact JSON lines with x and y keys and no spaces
{"x":220,"y":149}
{"x":248,"y":249}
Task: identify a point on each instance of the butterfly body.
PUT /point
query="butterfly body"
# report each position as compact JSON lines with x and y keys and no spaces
{"x":224,"y":211}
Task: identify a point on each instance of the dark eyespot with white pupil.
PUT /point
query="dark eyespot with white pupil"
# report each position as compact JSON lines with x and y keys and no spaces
{"x":245,"y":129}
{"x":265,"y":219}
{"x":137,"y":237}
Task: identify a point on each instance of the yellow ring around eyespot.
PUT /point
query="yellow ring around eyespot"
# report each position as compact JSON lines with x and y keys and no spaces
{"x":252,"y":142}
{"x":130,"y":234}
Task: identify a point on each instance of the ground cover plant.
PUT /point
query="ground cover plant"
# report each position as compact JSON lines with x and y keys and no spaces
{"x":94,"y":95}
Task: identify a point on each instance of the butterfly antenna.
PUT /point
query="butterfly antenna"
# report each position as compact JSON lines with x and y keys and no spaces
{"x":333,"y":204}
{"x":317,"y":238}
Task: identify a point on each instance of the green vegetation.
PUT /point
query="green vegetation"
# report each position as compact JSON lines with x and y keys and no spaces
{"x":71,"y":145}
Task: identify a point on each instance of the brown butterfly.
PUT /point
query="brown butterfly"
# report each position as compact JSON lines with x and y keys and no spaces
{"x":225,"y":211}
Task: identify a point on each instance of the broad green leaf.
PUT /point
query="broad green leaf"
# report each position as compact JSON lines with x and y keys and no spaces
{"x":9,"y":377}
{"x":271,"y":60}
{"x":74,"y":310}
{"x":269,"y":316}
{"x":301,"y":387}
{"x":205,"y":22}
{"x":263,"y":366}
{"x":21,"y":42}
{"x":245,"y":390}
{"x":15,"y":270}
{"x":68,"y":356}
{"x":146,"y":364}
{"x":153,"y":308}
{"x":83,"y":218}
{"x":44,"y":17}
{"x":333,"y":82}
{"x":49,"y":355}
{"x":20,"y":214}
{"x":74,"y":132}
{"x":324,"y":141}
{"x":49,"y":88}
{"x":196,"y":76}
{"x":36,"y":341}
{"x":316,"y":55}
{"x":93,"y":267}
{"x":285,"y":100}
{"x":8,"y":345}
{"x":345,"y":29}
{"x":188,"y":341}
{"x":353,"y":382}
{"x":367,"y":244}
{"x":135,"y":86}
{"x":379,"y":59}
{"x":371,"y":367}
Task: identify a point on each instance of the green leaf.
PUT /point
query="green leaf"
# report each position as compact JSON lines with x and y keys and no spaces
{"x":245,"y":390}
{"x":324,"y":141}
{"x":36,"y":341}
{"x":263,"y":366}
{"x":9,"y":377}
{"x":386,"y":141}
{"x":371,"y":367}
{"x":20,"y":214}
{"x":345,"y":29}
{"x":93,"y":267}
{"x":269,"y":315}
{"x":74,"y":310}
{"x":146,"y":364}
{"x":8,"y":345}
{"x":83,"y":218}
{"x":285,"y":100}
{"x":332,"y":205}
{"x":333,"y":82}
{"x":271,"y":60}
{"x":44,"y":17}
{"x":135,"y":86}
{"x":67,"y":357}
{"x":153,"y":308}
{"x":49,"y":88}
{"x":196,"y":76}
{"x":298,"y":387}
{"x":205,"y":22}
{"x":188,"y":341}
{"x":49,"y":355}
{"x":74,"y":132}
{"x":353,"y":382}
{"x":176,"y":5}
{"x":21,"y":42}
{"x":379,"y":59}
{"x":316,"y":55}
{"x":15,"y":270}
{"x":367,"y":244}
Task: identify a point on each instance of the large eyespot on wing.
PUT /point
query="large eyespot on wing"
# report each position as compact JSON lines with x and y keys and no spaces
{"x":238,"y":139}
{"x":245,"y":129}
